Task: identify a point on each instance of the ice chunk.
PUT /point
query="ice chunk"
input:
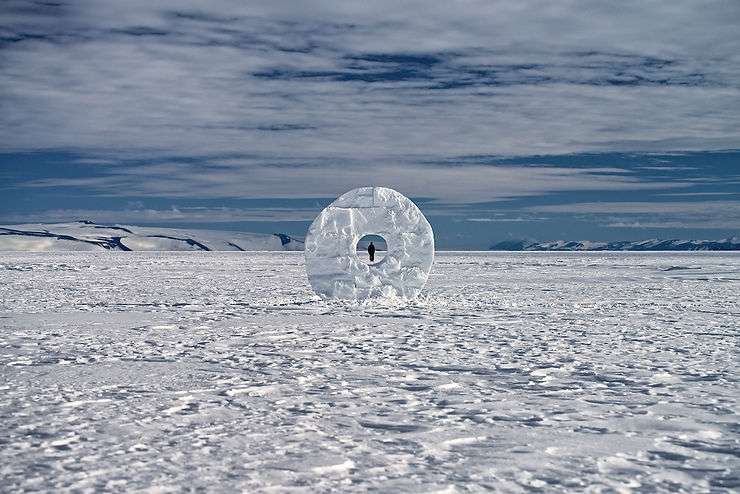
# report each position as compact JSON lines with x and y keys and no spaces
{"x":336,"y":271}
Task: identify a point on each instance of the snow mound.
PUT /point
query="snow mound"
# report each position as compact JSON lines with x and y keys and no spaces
{"x":332,"y":264}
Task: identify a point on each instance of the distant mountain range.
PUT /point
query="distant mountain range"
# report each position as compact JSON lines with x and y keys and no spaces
{"x":91,"y":236}
{"x":626,"y":245}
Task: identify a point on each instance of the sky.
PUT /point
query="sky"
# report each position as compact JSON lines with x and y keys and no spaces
{"x":502,"y":120}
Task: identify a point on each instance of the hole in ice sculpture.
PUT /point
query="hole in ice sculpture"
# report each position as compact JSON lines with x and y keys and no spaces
{"x":381,"y":249}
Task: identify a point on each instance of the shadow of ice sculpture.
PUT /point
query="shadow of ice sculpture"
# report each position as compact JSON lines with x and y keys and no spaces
{"x":332,"y":264}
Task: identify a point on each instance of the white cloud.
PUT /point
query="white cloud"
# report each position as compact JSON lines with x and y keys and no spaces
{"x":723,"y":215}
{"x":163,"y":216}
{"x":452,"y":184}
{"x":183,"y":78}
{"x":697,"y":194}
{"x":330,"y":96}
{"x":504,"y":220}
{"x":709,"y":224}
{"x":639,"y":207}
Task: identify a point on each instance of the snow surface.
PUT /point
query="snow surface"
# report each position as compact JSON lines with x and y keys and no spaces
{"x":89,"y":236}
{"x":513,"y":372}
{"x":336,"y":271}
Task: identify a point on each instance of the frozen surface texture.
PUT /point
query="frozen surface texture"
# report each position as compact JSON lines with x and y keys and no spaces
{"x":524,"y":372}
{"x":332,"y":264}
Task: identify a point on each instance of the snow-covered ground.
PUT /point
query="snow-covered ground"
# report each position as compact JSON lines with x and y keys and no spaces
{"x":516,"y":372}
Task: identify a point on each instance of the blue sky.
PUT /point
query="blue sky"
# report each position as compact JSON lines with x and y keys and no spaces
{"x":501,"y":119}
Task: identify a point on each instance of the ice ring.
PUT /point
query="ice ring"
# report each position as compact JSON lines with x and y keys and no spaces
{"x":335,"y":270}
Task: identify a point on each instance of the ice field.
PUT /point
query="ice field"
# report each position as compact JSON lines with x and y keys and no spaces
{"x":515,"y":372}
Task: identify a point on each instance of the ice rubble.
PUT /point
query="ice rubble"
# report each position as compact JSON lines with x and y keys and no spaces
{"x":332,"y":264}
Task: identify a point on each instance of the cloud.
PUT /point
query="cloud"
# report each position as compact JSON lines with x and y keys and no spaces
{"x":504,"y":220}
{"x":639,"y":207}
{"x":271,"y":99}
{"x":256,"y":179}
{"x":697,"y":194}
{"x":385,"y":80}
{"x":706,"y":224}
{"x":182,"y":215}
{"x":722,"y":215}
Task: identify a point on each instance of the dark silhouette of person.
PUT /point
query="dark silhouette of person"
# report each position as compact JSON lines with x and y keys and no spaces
{"x":371,"y":251}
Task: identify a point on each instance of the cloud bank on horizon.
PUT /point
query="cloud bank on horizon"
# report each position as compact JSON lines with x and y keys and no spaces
{"x":488,"y":113}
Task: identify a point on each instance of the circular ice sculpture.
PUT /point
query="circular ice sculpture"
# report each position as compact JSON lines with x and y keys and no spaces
{"x":332,"y":264}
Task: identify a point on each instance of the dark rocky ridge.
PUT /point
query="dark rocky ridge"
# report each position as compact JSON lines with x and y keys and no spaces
{"x":622,"y":245}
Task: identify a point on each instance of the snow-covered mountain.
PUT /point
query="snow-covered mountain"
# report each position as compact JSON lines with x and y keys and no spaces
{"x":90,"y":236}
{"x":640,"y":245}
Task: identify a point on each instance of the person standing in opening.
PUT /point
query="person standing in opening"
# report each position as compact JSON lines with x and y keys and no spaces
{"x":371,"y":251}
